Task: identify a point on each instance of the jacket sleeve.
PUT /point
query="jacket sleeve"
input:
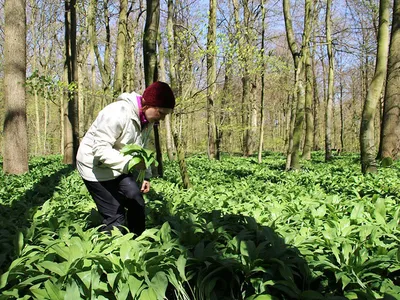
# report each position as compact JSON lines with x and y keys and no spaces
{"x":110,"y":125}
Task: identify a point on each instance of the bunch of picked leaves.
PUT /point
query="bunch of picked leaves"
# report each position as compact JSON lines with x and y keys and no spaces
{"x":139,"y":154}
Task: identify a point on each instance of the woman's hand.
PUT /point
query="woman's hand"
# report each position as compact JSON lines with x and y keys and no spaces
{"x":145,"y":187}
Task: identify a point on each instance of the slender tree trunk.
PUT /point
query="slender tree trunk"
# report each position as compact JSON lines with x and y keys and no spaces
{"x":121,"y":42}
{"x":329,"y":103}
{"x":261,"y":141}
{"x":71,"y":139}
{"x":367,"y":132}
{"x":316,"y":109}
{"x":150,"y":62}
{"x":150,"y":41}
{"x":182,"y":162}
{"x":341,"y":118}
{"x":308,"y":141}
{"x":103,"y":65}
{"x":211,"y":78}
{"x":391,"y":115}
{"x":299,"y":92}
{"x":15,"y":160}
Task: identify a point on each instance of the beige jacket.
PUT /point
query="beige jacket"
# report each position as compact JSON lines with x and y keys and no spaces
{"x":118,"y":124}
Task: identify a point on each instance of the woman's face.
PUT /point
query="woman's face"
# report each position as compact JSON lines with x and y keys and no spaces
{"x":155,"y":114}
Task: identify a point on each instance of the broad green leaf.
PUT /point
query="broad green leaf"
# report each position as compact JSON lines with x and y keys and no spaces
{"x":3,"y":279}
{"x":321,"y":211}
{"x":53,"y":291}
{"x":380,"y":210}
{"x":85,"y":277}
{"x":159,"y":283}
{"x":123,"y":290}
{"x":133,"y":162}
{"x":39,"y":293}
{"x":125,"y":251}
{"x":135,"y":286}
{"x":165,"y":232}
{"x":148,"y":294}
{"x":181,"y":264}
{"x":61,"y":250}
{"x":357,"y":212}
{"x":347,"y":250}
{"x":248,"y":249}
{"x":72,"y":291}
{"x":112,"y":279}
{"x":130,"y":148}
{"x":57,"y":268}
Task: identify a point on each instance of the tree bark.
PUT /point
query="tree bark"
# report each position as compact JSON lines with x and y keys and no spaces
{"x":308,"y":141}
{"x":71,"y":142}
{"x":391,"y":115}
{"x":15,"y":160}
{"x":299,"y":57}
{"x":121,"y":42}
{"x":150,"y":63}
{"x":329,"y":102}
{"x":211,"y":78}
{"x":150,"y":41}
{"x":103,"y":64}
{"x":261,"y":140}
{"x":367,"y":130}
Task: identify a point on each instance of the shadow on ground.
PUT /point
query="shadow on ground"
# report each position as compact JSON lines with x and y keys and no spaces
{"x":232,"y":256}
{"x":16,"y":217}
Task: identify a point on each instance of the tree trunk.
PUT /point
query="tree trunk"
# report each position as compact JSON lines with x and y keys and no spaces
{"x":150,"y":41}
{"x":15,"y":160}
{"x":391,"y":116}
{"x":103,"y":64}
{"x":367,"y":132}
{"x":182,"y":162}
{"x":211,"y":77}
{"x":261,"y":140}
{"x":329,"y":102}
{"x":150,"y":63}
{"x":71,"y":142}
{"x":308,"y":141}
{"x":121,"y":42}
{"x":316,"y":109}
{"x":341,"y":118}
{"x":299,"y":93}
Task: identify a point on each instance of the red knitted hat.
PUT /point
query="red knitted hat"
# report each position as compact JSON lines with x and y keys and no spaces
{"x":159,"y":94}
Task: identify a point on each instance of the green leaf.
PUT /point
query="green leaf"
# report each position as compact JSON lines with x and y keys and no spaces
{"x":159,"y":283}
{"x":112,"y":278}
{"x":133,"y":162}
{"x":3,"y":279}
{"x":72,"y":291}
{"x":181,"y":264}
{"x":264,"y":297}
{"x":85,"y":277}
{"x":135,"y":286}
{"x":148,"y":294}
{"x":53,"y":267}
{"x":357,"y":211}
{"x":124,"y":252}
{"x":53,"y":291}
{"x":380,"y":210}
{"x":39,"y":293}
{"x":248,"y":249}
{"x":165,"y":232}
{"x":130,"y":148}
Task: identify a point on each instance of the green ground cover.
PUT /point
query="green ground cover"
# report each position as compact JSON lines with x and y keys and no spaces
{"x":244,"y":231}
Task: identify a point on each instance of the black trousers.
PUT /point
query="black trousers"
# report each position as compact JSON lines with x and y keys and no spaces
{"x":119,"y":200}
